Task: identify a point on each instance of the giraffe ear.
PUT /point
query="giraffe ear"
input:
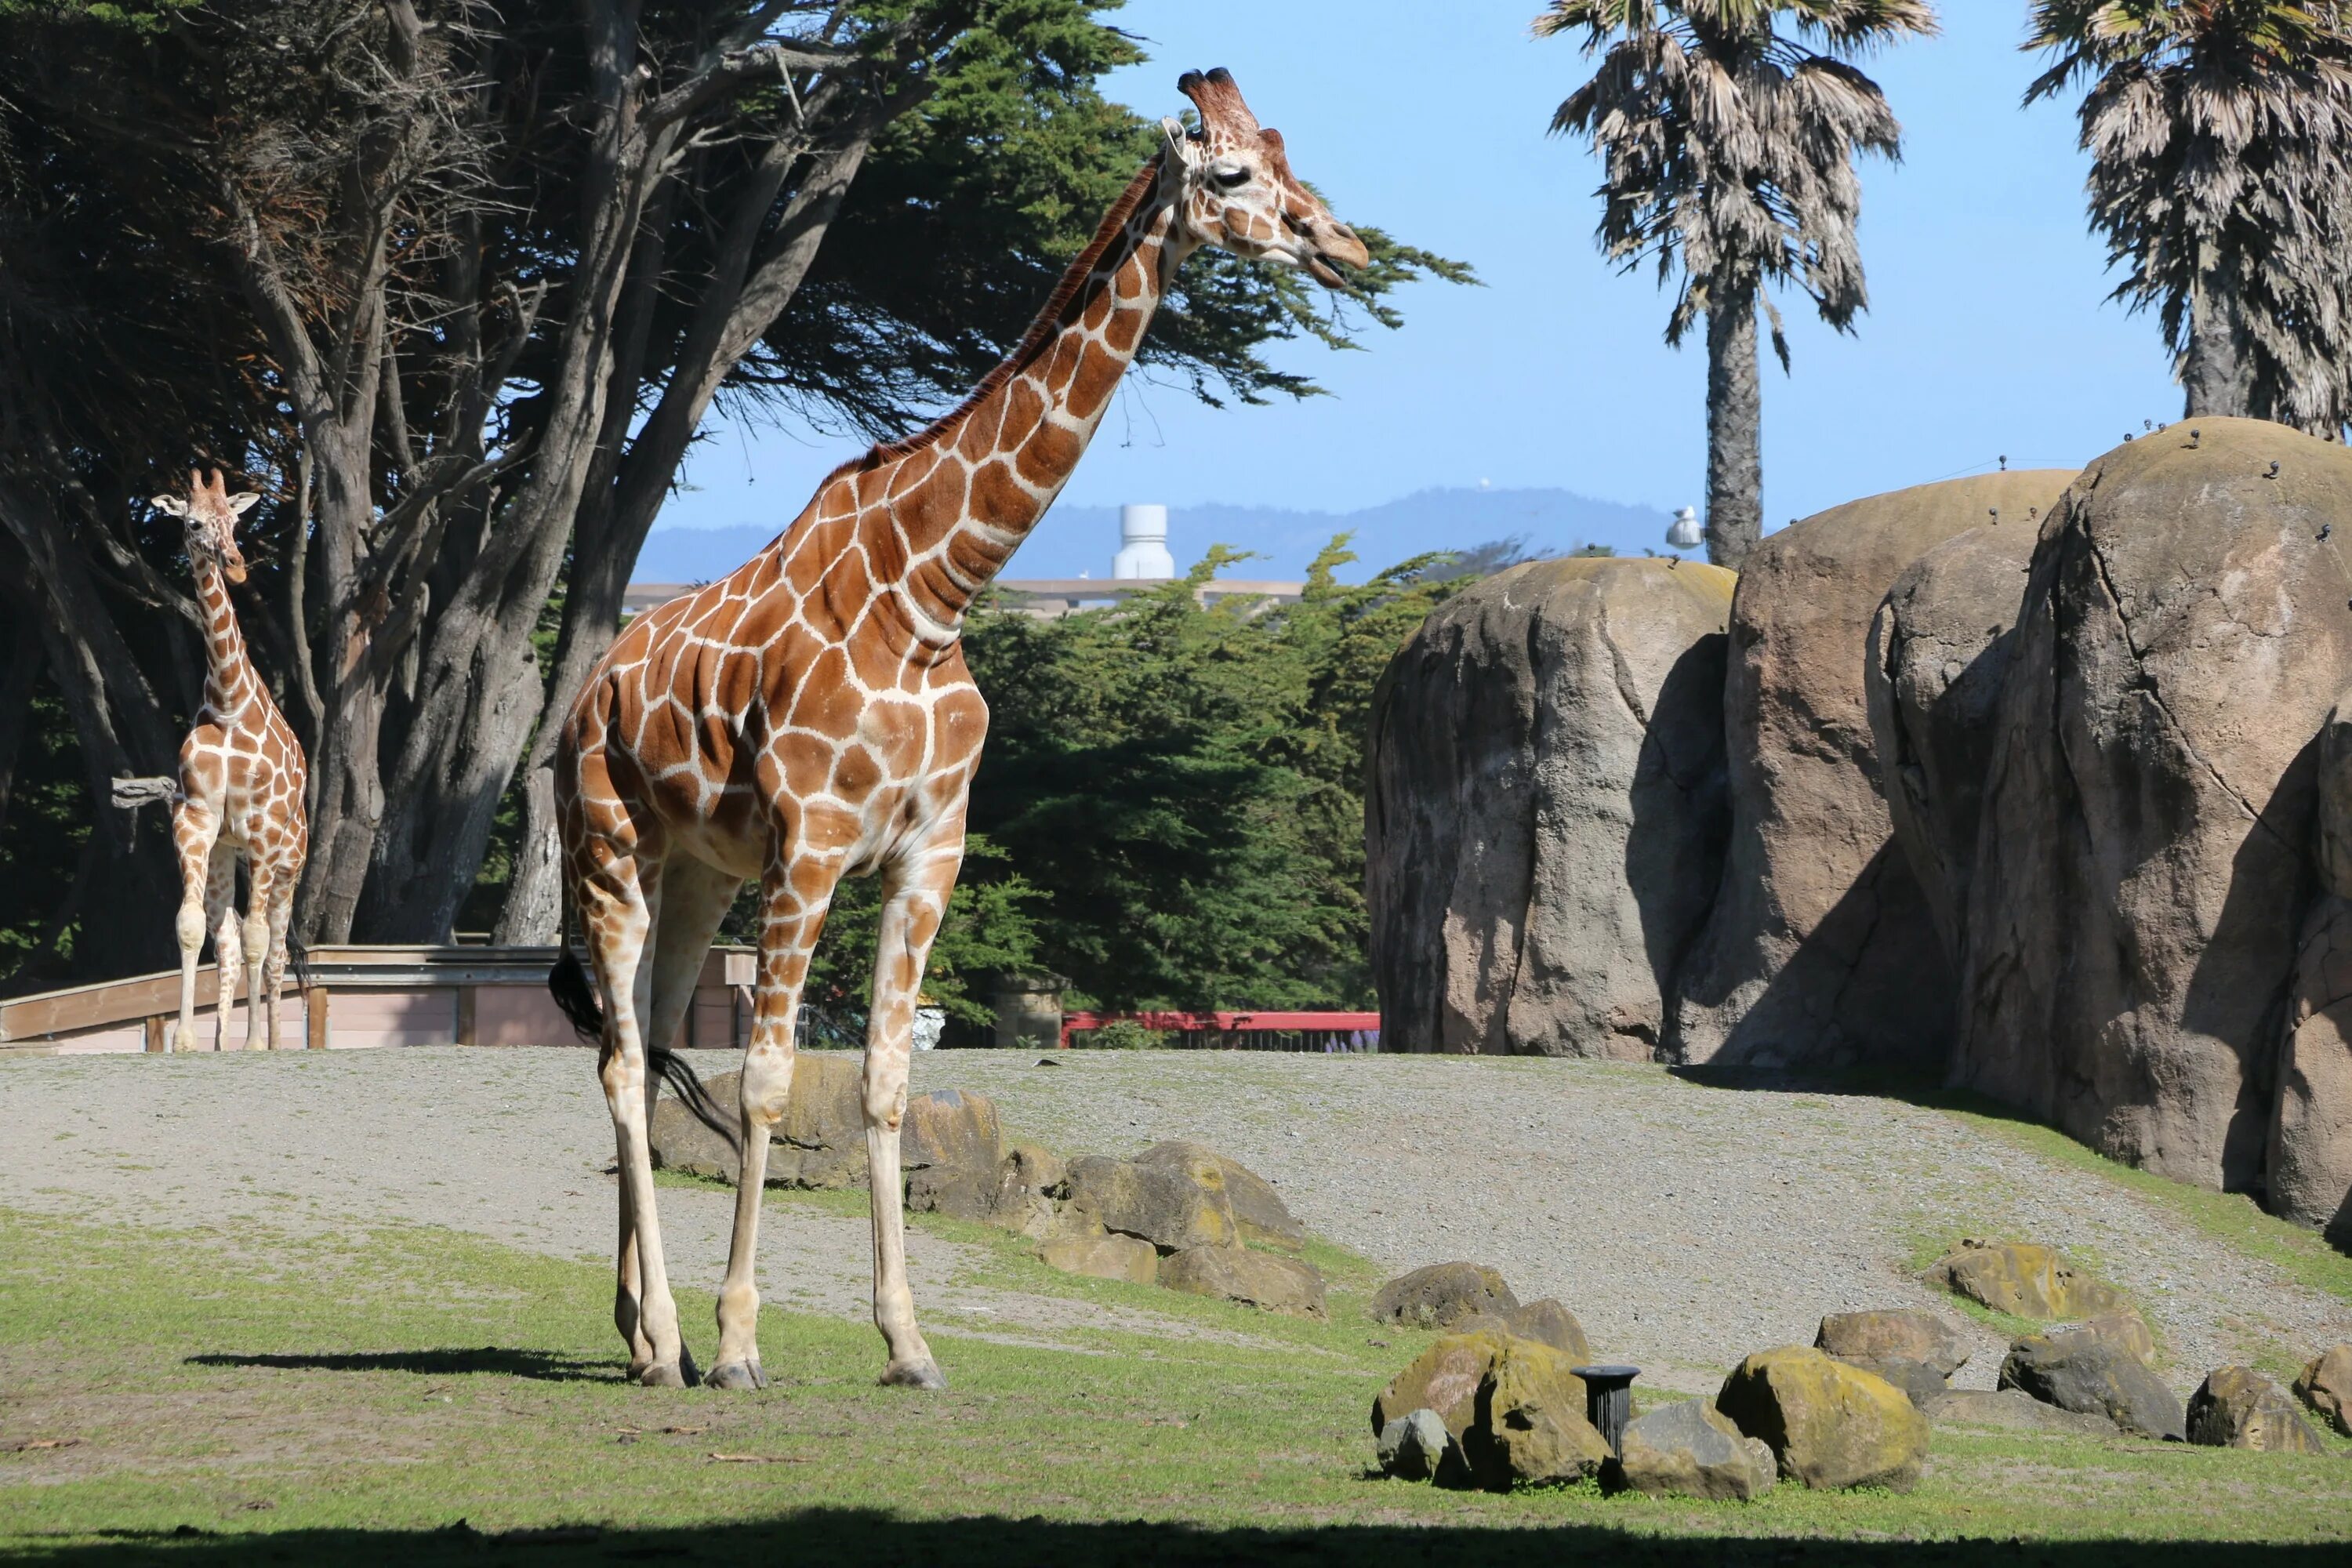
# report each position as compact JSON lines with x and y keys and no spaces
{"x":171,"y":504}
{"x":1182,"y":149}
{"x":239,"y":505}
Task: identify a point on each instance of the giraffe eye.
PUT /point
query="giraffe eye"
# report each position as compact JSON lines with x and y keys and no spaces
{"x":1230,"y":179}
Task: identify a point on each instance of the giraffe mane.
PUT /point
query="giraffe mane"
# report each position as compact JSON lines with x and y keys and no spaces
{"x":1040,"y":335}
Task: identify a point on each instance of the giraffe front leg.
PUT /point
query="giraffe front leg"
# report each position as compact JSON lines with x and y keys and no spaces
{"x":273,"y":976}
{"x":228,"y":941}
{"x":917,"y":901}
{"x":788,"y":934}
{"x":192,"y":833}
{"x":257,"y":893}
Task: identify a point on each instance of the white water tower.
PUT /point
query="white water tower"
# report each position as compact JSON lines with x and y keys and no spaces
{"x":1144,"y":544}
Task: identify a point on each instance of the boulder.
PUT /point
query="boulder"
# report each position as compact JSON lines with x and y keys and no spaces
{"x":2238,"y":1407}
{"x":1546,"y":809}
{"x":959,"y":1192}
{"x":2012,"y":1409}
{"x":1446,"y":1378}
{"x":1416,"y":1446}
{"x":2024,"y":1280}
{"x":1260,"y":1280}
{"x":1028,"y":1184}
{"x":2310,"y":1156}
{"x":949,"y":1128}
{"x":1545,"y":1321}
{"x":1931,"y":685}
{"x":2146,"y":840}
{"x":2325,"y":1386}
{"x":682,"y":1140}
{"x":1916,"y":1351}
{"x":1441,"y":1295}
{"x":821,"y":1141}
{"x":1528,"y":1426}
{"x":1104,"y":1258}
{"x":1820,"y":950}
{"x":1691,"y":1449}
{"x":2091,"y":1373}
{"x":1259,"y":1213}
{"x":1164,"y":1205}
{"x":2124,"y":1328}
{"x":1829,"y":1424}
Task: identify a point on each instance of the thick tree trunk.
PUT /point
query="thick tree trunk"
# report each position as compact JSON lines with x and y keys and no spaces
{"x":1735,"y":429}
{"x":534,"y":907}
{"x":2217,"y":372}
{"x":17,"y":677}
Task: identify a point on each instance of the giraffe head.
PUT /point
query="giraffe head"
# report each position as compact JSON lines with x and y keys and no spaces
{"x":1239,"y":193}
{"x":211,"y":514}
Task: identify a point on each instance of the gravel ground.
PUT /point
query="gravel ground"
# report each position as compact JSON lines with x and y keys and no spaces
{"x":1686,"y":1226}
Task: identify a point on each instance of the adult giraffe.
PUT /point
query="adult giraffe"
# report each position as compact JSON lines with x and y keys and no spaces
{"x":812,"y":716}
{"x":242,"y":775}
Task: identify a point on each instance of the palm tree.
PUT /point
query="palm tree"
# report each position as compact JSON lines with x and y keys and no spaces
{"x":1727,"y":147}
{"x":2221,"y":141}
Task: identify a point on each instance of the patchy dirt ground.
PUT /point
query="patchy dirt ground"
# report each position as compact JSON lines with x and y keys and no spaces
{"x":1684,"y":1225}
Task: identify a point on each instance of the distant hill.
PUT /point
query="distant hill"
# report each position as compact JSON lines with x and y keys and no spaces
{"x":1082,"y":539}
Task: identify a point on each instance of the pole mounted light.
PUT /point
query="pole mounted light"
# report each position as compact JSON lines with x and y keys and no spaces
{"x":1685,"y":532}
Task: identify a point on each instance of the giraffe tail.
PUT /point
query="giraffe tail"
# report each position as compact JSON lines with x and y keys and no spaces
{"x":568,"y":983}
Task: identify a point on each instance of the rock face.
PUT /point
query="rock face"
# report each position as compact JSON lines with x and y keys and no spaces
{"x":1829,"y":1425}
{"x":1820,"y":950}
{"x":2025,"y":1279}
{"x":2092,"y":1374}
{"x":1259,"y":1280}
{"x":821,"y":1141}
{"x":1528,"y":1426}
{"x":2311,"y":1131}
{"x":1160,"y":1203}
{"x":2144,"y":845}
{"x":1546,"y":814}
{"x":682,"y":1140}
{"x":949,"y":1128}
{"x":1938,"y":645}
{"x":1443,"y":1295}
{"x":1546,"y":1321}
{"x":1259,"y":1213}
{"x":1916,"y":1351}
{"x":1104,"y":1258}
{"x":2238,"y":1407}
{"x":1446,"y":1378}
{"x":2325,"y":1386}
{"x":1690,"y":1449}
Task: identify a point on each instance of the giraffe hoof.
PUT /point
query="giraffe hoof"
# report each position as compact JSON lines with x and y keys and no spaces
{"x":679,"y":1373}
{"x":737,"y":1376}
{"x":923,"y":1373}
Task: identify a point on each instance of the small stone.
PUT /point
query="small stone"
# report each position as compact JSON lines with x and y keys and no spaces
{"x":2238,"y":1407}
{"x":2012,"y":1409}
{"x":1257,"y":1279}
{"x":1104,"y":1258}
{"x":1690,"y":1449}
{"x":2325,"y":1386}
{"x":1413,"y":1447}
{"x":2091,"y":1373}
{"x":1860,"y":1339}
{"x":1163,"y":1205}
{"x":1829,"y":1424}
{"x":1443,"y":1295}
{"x":1259,"y":1211}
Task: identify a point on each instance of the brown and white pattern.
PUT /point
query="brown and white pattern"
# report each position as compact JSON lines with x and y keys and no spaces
{"x":810,"y":717}
{"x":242,"y":777}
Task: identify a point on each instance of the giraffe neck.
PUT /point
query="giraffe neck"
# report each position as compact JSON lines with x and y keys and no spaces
{"x":996,"y":463}
{"x":229,"y":682}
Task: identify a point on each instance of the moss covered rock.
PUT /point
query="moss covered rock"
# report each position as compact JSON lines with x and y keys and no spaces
{"x":1828,"y":1423}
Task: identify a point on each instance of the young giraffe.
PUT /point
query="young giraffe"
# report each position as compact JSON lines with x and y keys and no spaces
{"x":241,"y":782}
{"x":811,"y":716}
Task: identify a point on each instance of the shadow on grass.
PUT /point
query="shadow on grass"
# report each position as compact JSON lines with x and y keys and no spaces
{"x":544,"y":1366}
{"x":872,"y":1538}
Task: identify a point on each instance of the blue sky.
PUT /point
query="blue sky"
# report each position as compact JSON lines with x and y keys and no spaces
{"x":1988,"y":332}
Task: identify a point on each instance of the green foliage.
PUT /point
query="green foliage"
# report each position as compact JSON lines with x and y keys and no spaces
{"x":1183,"y":782}
{"x":1119,"y":1035}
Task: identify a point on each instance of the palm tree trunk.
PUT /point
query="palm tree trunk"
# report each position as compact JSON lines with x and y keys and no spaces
{"x":2217,"y":372}
{"x":1735,"y":429}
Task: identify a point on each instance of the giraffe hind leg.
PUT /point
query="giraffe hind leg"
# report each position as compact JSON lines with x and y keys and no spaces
{"x":194,"y":830}
{"x":228,"y":941}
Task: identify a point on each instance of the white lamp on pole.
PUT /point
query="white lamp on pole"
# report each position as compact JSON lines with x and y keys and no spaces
{"x":1685,"y":533}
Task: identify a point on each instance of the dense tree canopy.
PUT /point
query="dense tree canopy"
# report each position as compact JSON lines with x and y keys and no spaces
{"x":455,"y":285}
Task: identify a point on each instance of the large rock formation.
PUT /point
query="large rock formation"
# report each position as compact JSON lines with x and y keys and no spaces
{"x":1546,"y":814}
{"x":2311,"y":1132}
{"x":1821,"y":950}
{"x":2144,"y":858}
{"x":1938,"y":645}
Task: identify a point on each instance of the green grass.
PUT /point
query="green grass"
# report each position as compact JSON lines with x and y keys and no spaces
{"x":239,"y":1397}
